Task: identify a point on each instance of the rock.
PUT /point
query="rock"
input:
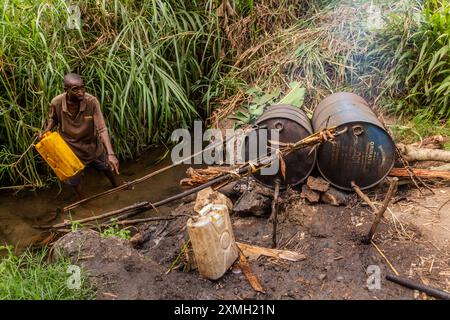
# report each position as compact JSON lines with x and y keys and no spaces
{"x":334,"y":197}
{"x":322,"y":276}
{"x":252,"y":203}
{"x":259,"y":188}
{"x":309,"y":194}
{"x":339,"y":279}
{"x":317,"y":184}
{"x":209,"y":196}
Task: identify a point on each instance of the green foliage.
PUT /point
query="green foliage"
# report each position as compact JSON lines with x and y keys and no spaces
{"x":147,"y":61}
{"x":420,"y":126}
{"x":260,"y":101}
{"x":258,"y":104}
{"x":427,"y":56}
{"x":295,"y":96}
{"x":30,"y":277}
{"x":415,"y":47}
{"x":116,"y":231}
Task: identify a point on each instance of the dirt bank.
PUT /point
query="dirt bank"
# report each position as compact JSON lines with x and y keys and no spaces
{"x":330,"y":237}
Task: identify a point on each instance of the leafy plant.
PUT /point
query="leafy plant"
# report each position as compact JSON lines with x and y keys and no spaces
{"x":115,"y":230}
{"x":30,"y":277}
{"x":260,"y":101}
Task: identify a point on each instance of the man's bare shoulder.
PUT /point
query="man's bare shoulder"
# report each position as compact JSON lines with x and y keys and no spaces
{"x":56,"y":101}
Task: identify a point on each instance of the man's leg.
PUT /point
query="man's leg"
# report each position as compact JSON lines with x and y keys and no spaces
{"x":112,"y":177}
{"x":100,"y":164}
{"x":75,"y":183}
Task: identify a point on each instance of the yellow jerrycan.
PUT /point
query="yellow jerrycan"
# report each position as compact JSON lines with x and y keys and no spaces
{"x":59,"y":156}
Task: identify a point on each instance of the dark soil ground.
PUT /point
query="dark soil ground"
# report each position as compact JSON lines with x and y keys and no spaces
{"x":336,"y":260}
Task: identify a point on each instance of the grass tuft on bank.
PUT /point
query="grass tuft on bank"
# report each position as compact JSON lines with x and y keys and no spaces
{"x":31,"y":277}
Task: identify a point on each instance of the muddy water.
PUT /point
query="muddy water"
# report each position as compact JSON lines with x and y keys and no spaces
{"x":19,"y":213}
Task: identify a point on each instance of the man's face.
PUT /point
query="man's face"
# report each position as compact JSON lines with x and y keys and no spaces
{"x":75,"y":90}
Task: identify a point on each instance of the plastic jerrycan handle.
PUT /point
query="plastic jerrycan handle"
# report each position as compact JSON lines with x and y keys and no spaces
{"x":51,"y":162}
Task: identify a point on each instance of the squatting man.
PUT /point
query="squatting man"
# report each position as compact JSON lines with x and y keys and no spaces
{"x":81,"y":124}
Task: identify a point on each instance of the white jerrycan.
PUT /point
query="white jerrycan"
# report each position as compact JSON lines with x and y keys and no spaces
{"x":212,"y":241}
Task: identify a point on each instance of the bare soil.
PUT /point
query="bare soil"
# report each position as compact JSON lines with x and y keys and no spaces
{"x":414,"y":236}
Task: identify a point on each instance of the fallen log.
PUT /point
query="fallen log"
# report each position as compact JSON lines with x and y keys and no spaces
{"x":421,"y":173}
{"x":411,"y":153}
{"x":433,"y":142}
{"x":445,"y":167}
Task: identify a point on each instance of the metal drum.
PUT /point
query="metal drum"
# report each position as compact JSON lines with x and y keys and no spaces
{"x":365,"y":153}
{"x":292,"y":125}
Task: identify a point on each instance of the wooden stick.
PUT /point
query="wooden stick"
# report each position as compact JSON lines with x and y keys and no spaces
{"x":264,"y":161}
{"x":387,"y":199}
{"x":422,"y":173}
{"x":253,"y":252}
{"x":248,"y":273}
{"x":363,"y":196}
{"x":274,"y":214}
{"x":141,"y":179}
{"x":102,"y":216}
{"x":134,"y":221}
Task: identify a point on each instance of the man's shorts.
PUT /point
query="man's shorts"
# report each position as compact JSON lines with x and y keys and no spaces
{"x":99,"y":164}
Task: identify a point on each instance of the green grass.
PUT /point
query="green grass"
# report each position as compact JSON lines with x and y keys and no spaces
{"x":419,"y":127}
{"x":30,"y":277}
{"x":149,"y":62}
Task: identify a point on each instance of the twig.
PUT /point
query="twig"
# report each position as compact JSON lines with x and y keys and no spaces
{"x":363,"y":196}
{"x":386,"y":259}
{"x":134,"y":221}
{"x":389,"y":194}
{"x":177,"y":259}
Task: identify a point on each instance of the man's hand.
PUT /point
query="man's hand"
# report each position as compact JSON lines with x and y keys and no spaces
{"x":113,"y":163}
{"x":40,"y":134}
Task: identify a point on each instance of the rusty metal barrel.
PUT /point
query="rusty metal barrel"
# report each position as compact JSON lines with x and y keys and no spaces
{"x":364,"y":153}
{"x":292,"y":125}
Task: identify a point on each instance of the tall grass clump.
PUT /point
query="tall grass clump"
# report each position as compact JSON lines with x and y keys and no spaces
{"x":30,"y":277}
{"x":394,"y":54}
{"x":333,"y":46}
{"x":149,"y":62}
{"x":426,"y":68}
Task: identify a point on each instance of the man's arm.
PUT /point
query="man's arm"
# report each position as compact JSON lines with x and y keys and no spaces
{"x":102,"y":131}
{"x":51,"y":122}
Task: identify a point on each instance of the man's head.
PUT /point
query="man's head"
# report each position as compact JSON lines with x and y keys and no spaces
{"x":74,"y":86}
